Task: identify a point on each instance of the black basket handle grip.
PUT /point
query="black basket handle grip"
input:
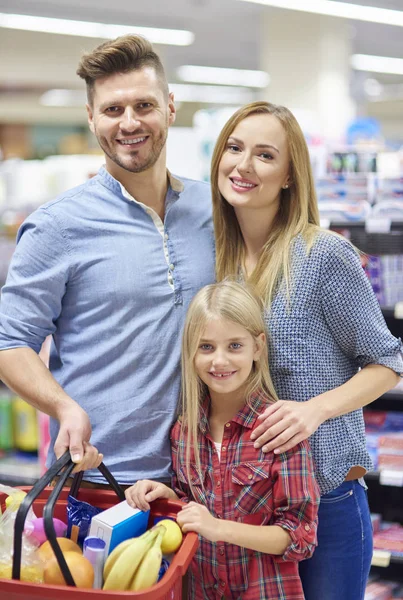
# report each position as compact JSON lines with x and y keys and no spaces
{"x":64,"y":462}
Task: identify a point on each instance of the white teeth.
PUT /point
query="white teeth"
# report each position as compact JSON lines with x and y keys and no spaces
{"x":244,"y":184}
{"x":136,"y":141}
{"x":221,"y":374}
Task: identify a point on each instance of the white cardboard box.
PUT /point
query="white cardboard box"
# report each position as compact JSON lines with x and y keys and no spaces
{"x":119,"y":523}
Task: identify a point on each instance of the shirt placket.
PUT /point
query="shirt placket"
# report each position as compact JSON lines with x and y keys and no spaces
{"x":219,"y":469}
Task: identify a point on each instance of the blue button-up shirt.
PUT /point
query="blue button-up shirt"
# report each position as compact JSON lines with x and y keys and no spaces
{"x":111,"y":283}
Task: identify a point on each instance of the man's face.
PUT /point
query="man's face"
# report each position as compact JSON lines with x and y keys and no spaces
{"x":130,"y":116}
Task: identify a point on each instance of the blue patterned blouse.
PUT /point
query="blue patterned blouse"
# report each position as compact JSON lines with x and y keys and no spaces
{"x":334,"y":328}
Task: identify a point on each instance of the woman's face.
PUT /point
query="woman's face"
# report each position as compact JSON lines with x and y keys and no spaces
{"x":255,"y":164}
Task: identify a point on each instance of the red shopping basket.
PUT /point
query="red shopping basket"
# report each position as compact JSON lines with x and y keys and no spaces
{"x":51,"y":502}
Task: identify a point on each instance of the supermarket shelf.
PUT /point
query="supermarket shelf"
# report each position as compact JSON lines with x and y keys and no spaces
{"x":16,"y":471}
{"x":384,"y":558}
{"x":388,"y":478}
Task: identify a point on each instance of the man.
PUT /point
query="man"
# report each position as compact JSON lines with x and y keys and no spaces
{"x":108,"y":269}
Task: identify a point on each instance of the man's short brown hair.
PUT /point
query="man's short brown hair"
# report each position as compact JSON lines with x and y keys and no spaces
{"x":124,"y":54}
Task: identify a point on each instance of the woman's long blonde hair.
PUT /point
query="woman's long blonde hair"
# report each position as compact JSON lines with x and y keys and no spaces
{"x":236,"y":303}
{"x":298,"y":212}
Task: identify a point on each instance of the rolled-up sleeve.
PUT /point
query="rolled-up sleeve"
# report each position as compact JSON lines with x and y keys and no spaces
{"x":31,"y":299}
{"x":352,"y":311}
{"x":296,"y":501}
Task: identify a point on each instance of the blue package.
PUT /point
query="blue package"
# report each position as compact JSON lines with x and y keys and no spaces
{"x":80,"y":513}
{"x":164,"y":568}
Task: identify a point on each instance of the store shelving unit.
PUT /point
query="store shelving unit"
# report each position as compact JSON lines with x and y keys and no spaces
{"x":385,"y":494}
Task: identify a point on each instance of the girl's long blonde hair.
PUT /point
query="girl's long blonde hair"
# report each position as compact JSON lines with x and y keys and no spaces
{"x":236,"y":303}
{"x":298,"y":212}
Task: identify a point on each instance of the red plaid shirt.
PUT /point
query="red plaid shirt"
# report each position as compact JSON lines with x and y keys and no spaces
{"x":251,"y":487}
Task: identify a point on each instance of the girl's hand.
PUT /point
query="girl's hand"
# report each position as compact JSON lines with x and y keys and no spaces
{"x":196,"y":517}
{"x":144,"y":491}
{"x":286,"y":423}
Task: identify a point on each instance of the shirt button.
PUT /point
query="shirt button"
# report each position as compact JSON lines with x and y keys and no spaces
{"x":219,"y":517}
{"x":222,"y":583}
{"x":228,"y":425}
{"x":250,"y":476}
{"x":223,"y":448}
{"x":172,"y":266}
{"x":221,"y":551}
{"x":218,"y":482}
{"x":307,"y":528}
{"x":166,"y":236}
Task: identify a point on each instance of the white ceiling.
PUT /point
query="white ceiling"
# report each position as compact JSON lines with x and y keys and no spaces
{"x":227,"y":34}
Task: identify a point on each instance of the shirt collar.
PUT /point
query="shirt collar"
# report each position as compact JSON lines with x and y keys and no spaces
{"x":175,"y":184}
{"x":246,"y":417}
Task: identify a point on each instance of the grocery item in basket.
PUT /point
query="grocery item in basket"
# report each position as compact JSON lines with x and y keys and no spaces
{"x":119,"y":523}
{"x":172,"y":538}
{"x":80,"y":513}
{"x":36,"y":530}
{"x":45,"y":552}
{"x":95,"y":550}
{"x":80,"y":568}
{"x":122,"y":564}
{"x":31,"y":566}
{"x":149,"y":568}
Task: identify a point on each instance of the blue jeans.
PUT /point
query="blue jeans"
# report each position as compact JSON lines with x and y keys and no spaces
{"x":339,"y":567}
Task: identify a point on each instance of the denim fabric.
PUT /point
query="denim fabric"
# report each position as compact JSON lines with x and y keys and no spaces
{"x":340,"y":565}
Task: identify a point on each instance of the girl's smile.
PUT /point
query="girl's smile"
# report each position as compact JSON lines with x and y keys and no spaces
{"x":225,"y":357}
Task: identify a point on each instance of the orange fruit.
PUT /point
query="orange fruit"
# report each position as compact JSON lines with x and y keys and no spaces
{"x":45,"y":551}
{"x":80,"y":567}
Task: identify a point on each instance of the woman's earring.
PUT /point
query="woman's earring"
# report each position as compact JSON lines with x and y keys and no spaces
{"x":285,"y":186}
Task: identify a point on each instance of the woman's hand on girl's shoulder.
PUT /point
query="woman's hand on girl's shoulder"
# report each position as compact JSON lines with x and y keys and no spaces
{"x":284,"y":424}
{"x":145,"y":491}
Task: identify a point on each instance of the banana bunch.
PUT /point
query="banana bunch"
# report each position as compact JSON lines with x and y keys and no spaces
{"x":135,"y":563}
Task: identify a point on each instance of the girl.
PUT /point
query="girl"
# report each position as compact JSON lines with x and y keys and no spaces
{"x":232,"y":488}
{"x":330,"y":350}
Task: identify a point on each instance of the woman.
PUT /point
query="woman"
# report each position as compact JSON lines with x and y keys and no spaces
{"x":330,"y":350}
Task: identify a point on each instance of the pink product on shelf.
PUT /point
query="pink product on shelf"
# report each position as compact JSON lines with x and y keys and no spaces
{"x":390,"y":539}
{"x":377,"y":590}
{"x":44,"y":439}
{"x":376,"y":519}
{"x":391,"y":443}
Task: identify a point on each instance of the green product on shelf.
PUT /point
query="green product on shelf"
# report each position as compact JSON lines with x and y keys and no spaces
{"x":6,"y":423}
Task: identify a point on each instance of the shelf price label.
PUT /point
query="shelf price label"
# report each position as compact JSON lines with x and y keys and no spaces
{"x":398,"y":313}
{"x":381,"y":558}
{"x":389,"y":477}
{"x":378,"y":225}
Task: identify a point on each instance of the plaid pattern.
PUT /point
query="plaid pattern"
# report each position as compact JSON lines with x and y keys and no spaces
{"x":250,"y":487}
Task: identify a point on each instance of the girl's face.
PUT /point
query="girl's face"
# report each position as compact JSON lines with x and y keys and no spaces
{"x":255,"y":165}
{"x":225,"y":356}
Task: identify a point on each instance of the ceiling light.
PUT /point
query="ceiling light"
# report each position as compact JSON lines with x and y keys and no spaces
{"x":175,"y":37}
{"x":57,"y":97}
{"x":377,"y":64}
{"x":345,"y":10}
{"x":242,"y":77}
{"x":210,"y":94}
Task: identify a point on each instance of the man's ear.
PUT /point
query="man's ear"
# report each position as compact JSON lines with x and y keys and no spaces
{"x":260,"y":346}
{"x":90,"y":118}
{"x":172,"y":109}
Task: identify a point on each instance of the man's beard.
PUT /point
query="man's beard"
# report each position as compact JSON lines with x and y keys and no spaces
{"x":129,"y":163}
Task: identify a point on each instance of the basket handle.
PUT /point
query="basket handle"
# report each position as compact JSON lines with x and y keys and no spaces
{"x":64,"y":462}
